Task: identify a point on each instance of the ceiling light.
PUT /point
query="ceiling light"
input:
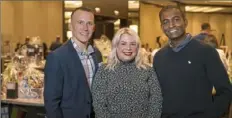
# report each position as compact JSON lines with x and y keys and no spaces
{"x":225,"y":1}
{"x":201,"y":9}
{"x":73,"y":4}
{"x":116,"y":12}
{"x":133,"y":4}
{"x":214,"y":9}
{"x":190,"y":8}
{"x":97,"y":9}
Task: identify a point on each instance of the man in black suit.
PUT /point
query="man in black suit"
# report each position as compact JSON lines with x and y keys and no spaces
{"x":69,"y":71}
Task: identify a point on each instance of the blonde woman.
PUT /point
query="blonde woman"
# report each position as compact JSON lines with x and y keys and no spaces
{"x":126,"y":87}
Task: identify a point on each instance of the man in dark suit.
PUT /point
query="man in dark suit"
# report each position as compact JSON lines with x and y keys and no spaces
{"x":56,"y":44}
{"x":69,"y":71}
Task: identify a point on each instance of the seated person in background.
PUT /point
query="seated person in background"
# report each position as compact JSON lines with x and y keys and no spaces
{"x":126,"y":87}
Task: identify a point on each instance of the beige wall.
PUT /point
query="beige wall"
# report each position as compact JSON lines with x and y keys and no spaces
{"x":7,"y":28}
{"x":149,"y":27}
{"x":150,"y":24}
{"x":221,"y":23}
{"x":31,"y":18}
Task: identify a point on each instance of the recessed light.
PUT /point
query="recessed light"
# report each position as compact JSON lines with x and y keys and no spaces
{"x":97,"y":9}
{"x":116,"y":12}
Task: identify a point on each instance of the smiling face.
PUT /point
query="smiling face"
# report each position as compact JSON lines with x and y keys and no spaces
{"x":127,"y":48}
{"x":173,"y":24}
{"x":82,"y":26}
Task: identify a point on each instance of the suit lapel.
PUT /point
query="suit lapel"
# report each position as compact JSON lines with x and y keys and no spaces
{"x":95,"y":61}
{"x":76,"y":60}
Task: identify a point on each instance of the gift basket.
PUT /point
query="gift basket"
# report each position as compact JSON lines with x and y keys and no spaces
{"x":104,"y":46}
{"x":25,"y":71}
{"x":31,"y":83}
{"x":9,"y":82}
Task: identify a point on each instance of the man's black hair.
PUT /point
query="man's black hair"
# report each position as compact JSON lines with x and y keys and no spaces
{"x":165,"y":8}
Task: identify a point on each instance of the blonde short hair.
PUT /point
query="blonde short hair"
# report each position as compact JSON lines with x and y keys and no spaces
{"x":113,"y":60}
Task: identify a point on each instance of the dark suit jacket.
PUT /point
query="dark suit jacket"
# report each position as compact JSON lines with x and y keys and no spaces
{"x":66,"y":91}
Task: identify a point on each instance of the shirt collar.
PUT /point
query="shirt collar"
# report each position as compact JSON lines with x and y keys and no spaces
{"x":81,"y":51}
{"x":182,"y":43}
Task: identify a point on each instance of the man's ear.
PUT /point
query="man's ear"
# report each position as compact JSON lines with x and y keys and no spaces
{"x":161,"y":26}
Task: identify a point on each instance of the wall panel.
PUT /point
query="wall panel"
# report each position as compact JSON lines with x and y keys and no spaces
{"x":7,"y":24}
{"x":31,"y":18}
{"x":149,"y":24}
